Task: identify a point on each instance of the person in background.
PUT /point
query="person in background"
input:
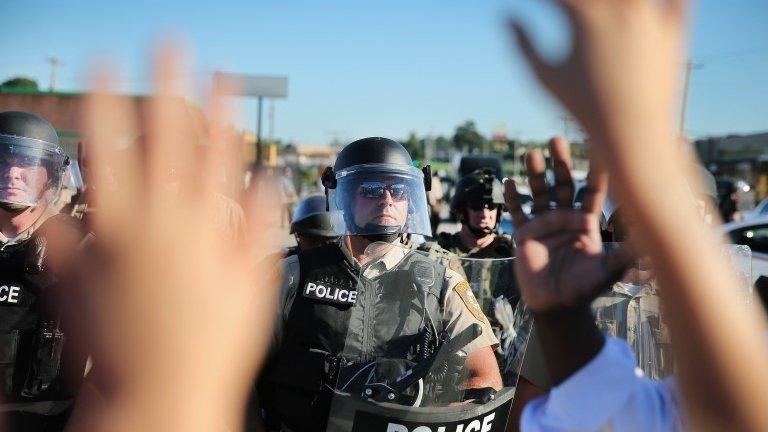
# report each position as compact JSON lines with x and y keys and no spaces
{"x":43,"y":341}
{"x":288,"y":195}
{"x":311,"y":224}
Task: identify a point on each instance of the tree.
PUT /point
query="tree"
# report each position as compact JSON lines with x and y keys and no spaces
{"x":467,"y":139}
{"x":20,"y":83}
{"x":414,"y":146}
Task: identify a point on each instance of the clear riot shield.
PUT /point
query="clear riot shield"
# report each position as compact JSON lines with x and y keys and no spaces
{"x":631,"y":310}
{"x":494,"y":285}
{"x":403,"y":367}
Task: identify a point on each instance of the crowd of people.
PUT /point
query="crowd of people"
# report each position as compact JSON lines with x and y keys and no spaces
{"x":167,"y":308}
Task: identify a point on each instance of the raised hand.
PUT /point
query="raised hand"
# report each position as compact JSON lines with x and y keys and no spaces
{"x":182,"y":316}
{"x":625,"y":62}
{"x":560,"y":262}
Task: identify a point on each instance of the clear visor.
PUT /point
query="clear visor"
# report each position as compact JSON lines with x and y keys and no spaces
{"x":380,"y":199}
{"x":29,"y":169}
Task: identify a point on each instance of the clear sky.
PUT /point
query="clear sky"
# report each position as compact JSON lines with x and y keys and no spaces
{"x":359,"y":68}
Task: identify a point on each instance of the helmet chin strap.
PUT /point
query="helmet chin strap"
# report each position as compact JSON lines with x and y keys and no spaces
{"x":480,"y":232}
{"x":387,"y":234}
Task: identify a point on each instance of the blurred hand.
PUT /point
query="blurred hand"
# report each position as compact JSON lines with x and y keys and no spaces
{"x":559,"y":255}
{"x":625,"y":62}
{"x":182,"y":318}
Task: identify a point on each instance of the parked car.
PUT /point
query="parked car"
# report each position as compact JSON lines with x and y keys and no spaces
{"x":760,"y":210}
{"x":753,"y":233}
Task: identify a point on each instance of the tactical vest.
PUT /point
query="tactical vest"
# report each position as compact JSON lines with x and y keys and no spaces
{"x":316,"y":341}
{"x":32,"y":344}
{"x":502,"y":246}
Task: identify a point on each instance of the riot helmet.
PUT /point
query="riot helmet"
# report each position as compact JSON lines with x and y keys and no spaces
{"x":480,"y":189}
{"x":312,"y":218}
{"x":374,"y":190}
{"x":32,"y":163}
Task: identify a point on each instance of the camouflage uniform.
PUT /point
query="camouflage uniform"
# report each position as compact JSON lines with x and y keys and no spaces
{"x":501,"y":247}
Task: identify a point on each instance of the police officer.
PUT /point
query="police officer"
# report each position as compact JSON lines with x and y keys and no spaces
{"x":478,"y":203}
{"x":311,"y":224}
{"x":375,"y":195}
{"x":42,"y":360}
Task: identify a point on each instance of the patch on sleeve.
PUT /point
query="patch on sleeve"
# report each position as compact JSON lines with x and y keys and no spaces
{"x":468,"y":297}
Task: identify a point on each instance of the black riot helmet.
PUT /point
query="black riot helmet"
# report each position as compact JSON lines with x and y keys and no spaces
{"x":312,"y":218}
{"x":32,"y":163}
{"x":373,"y":189}
{"x":481,"y":188}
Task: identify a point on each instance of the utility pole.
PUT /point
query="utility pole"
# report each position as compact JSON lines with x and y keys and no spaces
{"x":271,"y":119}
{"x":689,"y":66}
{"x":259,"y":146}
{"x":566,"y":122}
{"x":55,"y":64}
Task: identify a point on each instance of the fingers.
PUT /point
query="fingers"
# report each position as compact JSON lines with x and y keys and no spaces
{"x":536,"y":167}
{"x":221,"y":150}
{"x":596,"y":189}
{"x":679,"y":8}
{"x":540,"y":68}
{"x":562,"y":165}
{"x":512,"y":200}
{"x":555,"y":222}
{"x":110,"y":125}
{"x":170,"y":133}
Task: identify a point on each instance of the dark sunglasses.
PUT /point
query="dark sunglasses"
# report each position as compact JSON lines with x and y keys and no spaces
{"x":481,"y":206}
{"x":375,"y":190}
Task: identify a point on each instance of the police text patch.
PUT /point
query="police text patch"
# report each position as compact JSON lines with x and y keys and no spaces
{"x":9,"y":294}
{"x":329,"y":294}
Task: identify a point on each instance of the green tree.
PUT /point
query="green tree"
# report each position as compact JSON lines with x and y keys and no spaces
{"x":20,"y":83}
{"x":467,"y":139}
{"x":414,"y":146}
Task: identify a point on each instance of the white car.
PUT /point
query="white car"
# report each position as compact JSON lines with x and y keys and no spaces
{"x":752,"y":232}
{"x":761,"y":209}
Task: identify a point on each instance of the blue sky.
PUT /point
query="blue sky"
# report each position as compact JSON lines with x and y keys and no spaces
{"x":359,"y":68}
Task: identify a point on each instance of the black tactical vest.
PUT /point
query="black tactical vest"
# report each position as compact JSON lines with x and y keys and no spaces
{"x":316,"y":341}
{"x":32,"y":344}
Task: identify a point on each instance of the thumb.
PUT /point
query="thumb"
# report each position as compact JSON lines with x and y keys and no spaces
{"x":540,"y":67}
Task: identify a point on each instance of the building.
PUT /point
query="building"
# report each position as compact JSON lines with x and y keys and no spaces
{"x":738,"y":156}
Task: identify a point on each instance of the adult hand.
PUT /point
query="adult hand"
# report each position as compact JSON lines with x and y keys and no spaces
{"x":182,"y":317}
{"x":560,"y":263}
{"x":625,"y":62}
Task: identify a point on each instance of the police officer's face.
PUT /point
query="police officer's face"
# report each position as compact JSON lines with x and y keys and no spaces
{"x":383,"y":203}
{"x":480,"y":216}
{"x":22,"y":180}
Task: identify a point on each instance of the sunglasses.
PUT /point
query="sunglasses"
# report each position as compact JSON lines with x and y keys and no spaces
{"x":375,"y":190}
{"x":480,"y":206}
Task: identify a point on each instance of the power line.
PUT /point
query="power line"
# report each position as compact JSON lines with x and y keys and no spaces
{"x":732,"y":54}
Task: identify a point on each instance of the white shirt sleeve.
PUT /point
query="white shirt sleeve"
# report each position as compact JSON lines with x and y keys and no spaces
{"x":608,"y":394}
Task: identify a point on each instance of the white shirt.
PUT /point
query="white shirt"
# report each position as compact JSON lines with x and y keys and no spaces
{"x":608,"y":394}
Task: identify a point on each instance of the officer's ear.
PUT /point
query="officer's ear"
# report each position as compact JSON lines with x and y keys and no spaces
{"x":329,"y":182}
{"x":427,"y":171}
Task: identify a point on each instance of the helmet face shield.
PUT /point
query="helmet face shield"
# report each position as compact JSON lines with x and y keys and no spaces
{"x":379,"y":199}
{"x":29,"y":169}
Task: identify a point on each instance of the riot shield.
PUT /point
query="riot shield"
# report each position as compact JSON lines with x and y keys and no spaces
{"x":494,"y":285}
{"x":403,"y":367}
{"x":631,"y":310}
